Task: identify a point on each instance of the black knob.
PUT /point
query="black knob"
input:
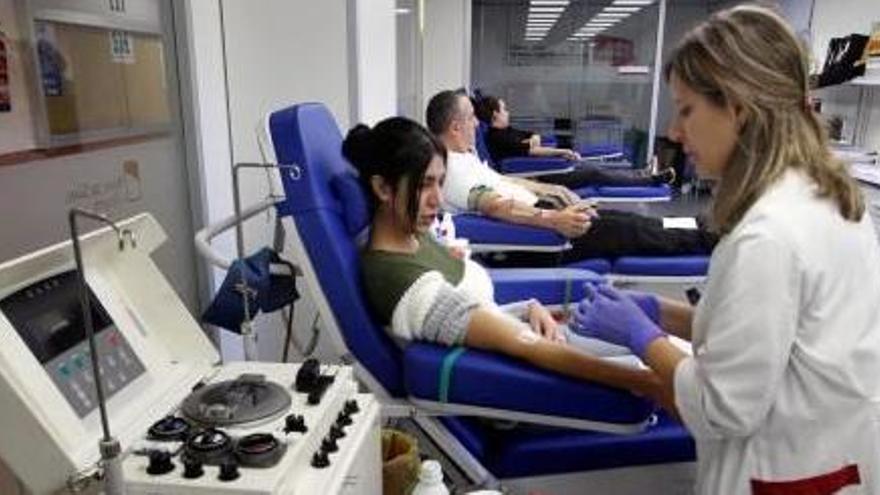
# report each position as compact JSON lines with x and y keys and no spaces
{"x":328,"y":445}
{"x":343,"y":420}
{"x":192,"y":469}
{"x":350,"y":407}
{"x":336,"y":432}
{"x":295,"y":422}
{"x":320,"y":460}
{"x":228,"y":471}
{"x":314,"y":397}
{"x":160,"y":462}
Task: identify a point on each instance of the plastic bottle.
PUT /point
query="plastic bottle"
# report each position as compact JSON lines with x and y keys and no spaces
{"x":430,"y":480}
{"x":446,"y":229}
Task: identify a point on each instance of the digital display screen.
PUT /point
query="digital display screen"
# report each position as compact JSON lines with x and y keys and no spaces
{"x":47,"y":315}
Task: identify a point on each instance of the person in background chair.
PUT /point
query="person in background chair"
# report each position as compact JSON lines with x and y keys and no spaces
{"x":471,"y":186}
{"x":506,"y":141}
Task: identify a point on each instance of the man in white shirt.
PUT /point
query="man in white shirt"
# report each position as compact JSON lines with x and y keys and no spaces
{"x":472,"y":186}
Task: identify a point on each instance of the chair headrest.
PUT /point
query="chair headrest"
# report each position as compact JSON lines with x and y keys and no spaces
{"x":355,"y":210}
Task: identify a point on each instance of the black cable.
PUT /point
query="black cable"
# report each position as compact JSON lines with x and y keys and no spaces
{"x":289,"y":338}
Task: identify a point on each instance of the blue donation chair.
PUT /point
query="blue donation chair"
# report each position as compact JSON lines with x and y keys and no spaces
{"x":446,"y":391}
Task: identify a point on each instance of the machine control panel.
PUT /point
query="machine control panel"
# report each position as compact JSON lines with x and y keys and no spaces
{"x":48,"y":317}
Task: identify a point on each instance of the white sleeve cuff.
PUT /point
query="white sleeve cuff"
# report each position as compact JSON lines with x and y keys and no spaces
{"x":688,"y":400}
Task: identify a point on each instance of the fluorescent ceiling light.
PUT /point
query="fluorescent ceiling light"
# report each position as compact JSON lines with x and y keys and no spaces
{"x":542,"y":15}
{"x":599,"y":24}
{"x":549,"y":3}
{"x":633,"y":2}
{"x":402,"y":11}
{"x":611,"y":15}
{"x":592,"y":29}
{"x":622,"y":9}
{"x":537,"y":30}
{"x":540,"y":23}
{"x":534,"y":9}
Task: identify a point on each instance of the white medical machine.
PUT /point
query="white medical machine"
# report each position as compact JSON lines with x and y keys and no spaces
{"x":187,"y":424}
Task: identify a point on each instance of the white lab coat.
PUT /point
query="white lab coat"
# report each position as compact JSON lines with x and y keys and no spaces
{"x":784,"y":382}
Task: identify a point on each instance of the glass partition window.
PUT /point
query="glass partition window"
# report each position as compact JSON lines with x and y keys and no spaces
{"x":579,"y":70}
{"x":100,"y":82}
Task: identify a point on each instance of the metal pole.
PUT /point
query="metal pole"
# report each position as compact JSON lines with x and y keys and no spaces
{"x":655,"y":89}
{"x":108,"y":445}
{"x":247,"y":333}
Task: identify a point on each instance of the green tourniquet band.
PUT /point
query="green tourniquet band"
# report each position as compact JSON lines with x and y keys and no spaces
{"x":446,"y":372}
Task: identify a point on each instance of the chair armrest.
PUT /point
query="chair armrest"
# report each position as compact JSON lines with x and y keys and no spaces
{"x":488,"y":234}
{"x":534,"y":166}
{"x":547,"y":285}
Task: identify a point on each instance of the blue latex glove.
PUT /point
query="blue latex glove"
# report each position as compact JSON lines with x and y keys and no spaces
{"x":647,"y":302}
{"x":609,"y":315}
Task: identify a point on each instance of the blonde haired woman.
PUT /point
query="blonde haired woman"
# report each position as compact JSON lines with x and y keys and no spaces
{"x":782,"y":393}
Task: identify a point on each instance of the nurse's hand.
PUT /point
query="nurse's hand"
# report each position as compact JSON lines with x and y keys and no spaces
{"x":610,"y":315}
{"x":647,"y":302}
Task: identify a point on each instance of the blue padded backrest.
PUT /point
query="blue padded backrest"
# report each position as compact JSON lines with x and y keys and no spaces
{"x":480,"y":143}
{"x":355,"y":210}
{"x":325,"y":205}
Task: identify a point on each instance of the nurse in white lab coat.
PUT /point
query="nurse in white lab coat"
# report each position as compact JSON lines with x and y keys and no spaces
{"x":782,"y":393}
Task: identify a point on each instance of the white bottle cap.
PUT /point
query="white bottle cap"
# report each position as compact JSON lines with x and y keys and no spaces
{"x":431,"y":472}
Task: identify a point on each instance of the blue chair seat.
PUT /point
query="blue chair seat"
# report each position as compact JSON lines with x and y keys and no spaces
{"x":529,"y":451}
{"x":495,"y":381}
{"x":535,"y":166}
{"x":669,"y":266}
{"x":640,"y":192}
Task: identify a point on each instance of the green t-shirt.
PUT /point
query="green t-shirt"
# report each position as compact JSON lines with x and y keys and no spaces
{"x":388,"y":275}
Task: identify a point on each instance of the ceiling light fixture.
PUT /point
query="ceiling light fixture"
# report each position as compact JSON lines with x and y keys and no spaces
{"x":546,"y":9}
{"x":631,"y":10}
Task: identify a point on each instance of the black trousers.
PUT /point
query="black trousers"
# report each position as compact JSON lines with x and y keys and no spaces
{"x":614,"y":234}
{"x":588,"y":174}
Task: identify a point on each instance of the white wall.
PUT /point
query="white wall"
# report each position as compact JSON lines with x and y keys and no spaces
{"x":447,"y":47}
{"x":373,"y":47}
{"x":249,"y":61}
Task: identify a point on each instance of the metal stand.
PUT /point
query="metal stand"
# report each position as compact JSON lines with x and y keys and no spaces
{"x":108,"y":445}
{"x":249,"y":338}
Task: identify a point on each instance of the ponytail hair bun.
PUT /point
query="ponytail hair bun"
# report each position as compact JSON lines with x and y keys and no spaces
{"x":359,"y":148}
